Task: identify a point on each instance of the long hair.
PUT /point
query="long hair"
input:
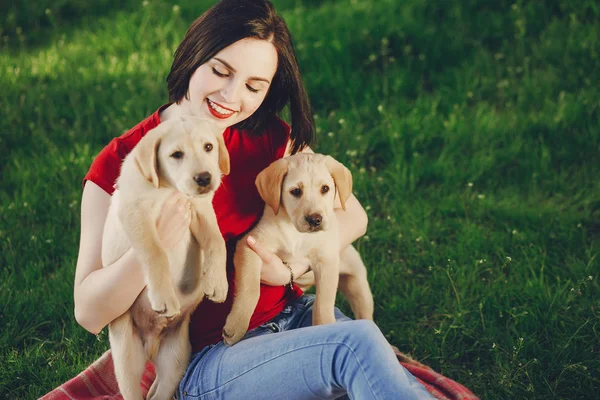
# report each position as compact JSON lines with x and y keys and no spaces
{"x":227,"y":22}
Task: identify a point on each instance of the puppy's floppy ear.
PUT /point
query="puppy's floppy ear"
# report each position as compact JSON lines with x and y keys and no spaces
{"x":224,"y":165}
{"x":269,"y":181}
{"x":146,"y":153}
{"x":342,"y":177}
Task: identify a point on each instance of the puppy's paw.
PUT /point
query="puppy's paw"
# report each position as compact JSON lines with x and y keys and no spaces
{"x":215,"y":285}
{"x":234,"y":330}
{"x":217,"y":292}
{"x":328,"y":318}
{"x":164,"y":302}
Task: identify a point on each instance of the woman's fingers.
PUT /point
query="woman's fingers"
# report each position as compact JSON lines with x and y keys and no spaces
{"x":265,"y":255}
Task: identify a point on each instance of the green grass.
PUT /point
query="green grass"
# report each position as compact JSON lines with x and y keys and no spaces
{"x":471,"y":127}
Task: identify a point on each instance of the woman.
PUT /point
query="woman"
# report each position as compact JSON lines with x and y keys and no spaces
{"x":236,"y":66}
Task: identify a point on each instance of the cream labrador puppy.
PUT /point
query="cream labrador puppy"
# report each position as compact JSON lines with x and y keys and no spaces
{"x":186,"y":155}
{"x":299,"y":224}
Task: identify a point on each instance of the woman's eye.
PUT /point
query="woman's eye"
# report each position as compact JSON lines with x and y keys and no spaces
{"x":324,"y":189}
{"x":296,"y":192}
{"x":208,"y":147}
{"x":221,"y":74}
{"x":250,"y":88}
{"x":177,"y":154}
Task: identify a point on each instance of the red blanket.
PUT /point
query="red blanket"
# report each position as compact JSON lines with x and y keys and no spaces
{"x":98,"y":382}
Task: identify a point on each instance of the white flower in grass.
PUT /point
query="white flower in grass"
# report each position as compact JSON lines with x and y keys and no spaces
{"x":590,"y":278}
{"x":481,"y":196}
{"x":330,"y":134}
{"x":362,"y":170}
{"x":493,"y":345}
{"x":144,"y":3}
{"x":470,"y":184}
{"x":48,"y":240}
{"x":380,"y":108}
{"x":176,"y":9}
{"x":25,"y":204}
{"x":341,"y":121}
{"x":419,"y":239}
{"x":515,"y":232}
{"x":33,"y":238}
{"x":508,"y":259}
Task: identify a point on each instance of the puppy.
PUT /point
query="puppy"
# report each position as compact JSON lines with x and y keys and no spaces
{"x":299,"y":224}
{"x":186,"y":155}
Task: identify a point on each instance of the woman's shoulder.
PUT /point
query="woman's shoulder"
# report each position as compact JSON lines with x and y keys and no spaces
{"x":106,"y":166}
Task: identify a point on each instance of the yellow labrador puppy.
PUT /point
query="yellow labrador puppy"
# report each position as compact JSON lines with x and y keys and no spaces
{"x":186,"y":155}
{"x":299,"y":223}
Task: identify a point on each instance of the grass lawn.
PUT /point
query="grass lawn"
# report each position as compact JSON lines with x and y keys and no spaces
{"x":472,"y":129}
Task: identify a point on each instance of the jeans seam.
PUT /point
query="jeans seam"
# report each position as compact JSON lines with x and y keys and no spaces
{"x":291,"y":351}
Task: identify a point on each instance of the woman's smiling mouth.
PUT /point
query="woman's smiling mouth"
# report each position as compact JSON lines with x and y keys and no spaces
{"x":219,"y":111}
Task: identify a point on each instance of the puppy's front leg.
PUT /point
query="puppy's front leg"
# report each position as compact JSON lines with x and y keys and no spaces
{"x":247,"y":290}
{"x":142,"y":234}
{"x":327,"y":274}
{"x":213,"y":271}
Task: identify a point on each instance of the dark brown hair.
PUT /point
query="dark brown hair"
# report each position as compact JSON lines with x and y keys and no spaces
{"x":224,"y":24}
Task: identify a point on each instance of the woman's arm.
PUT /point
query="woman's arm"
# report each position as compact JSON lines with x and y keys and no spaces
{"x":103,"y":294}
{"x":352,"y":222}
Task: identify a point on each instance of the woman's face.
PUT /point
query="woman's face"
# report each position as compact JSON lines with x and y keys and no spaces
{"x":229,"y":87}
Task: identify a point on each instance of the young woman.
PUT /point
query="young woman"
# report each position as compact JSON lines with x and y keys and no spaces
{"x":236,"y":66}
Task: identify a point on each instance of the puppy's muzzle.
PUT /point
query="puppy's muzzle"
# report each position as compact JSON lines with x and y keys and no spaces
{"x":314,"y":221}
{"x":202,"y":179}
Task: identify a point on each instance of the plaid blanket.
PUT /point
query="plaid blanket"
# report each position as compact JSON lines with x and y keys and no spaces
{"x":98,"y":382}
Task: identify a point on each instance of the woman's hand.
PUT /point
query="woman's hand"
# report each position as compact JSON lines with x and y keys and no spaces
{"x":174,"y":220}
{"x":273,"y":271}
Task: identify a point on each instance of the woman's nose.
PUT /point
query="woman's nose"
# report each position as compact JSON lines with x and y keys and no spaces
{"x":232,"y":91}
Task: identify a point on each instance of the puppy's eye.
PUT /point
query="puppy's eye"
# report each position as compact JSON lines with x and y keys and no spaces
{"x":177,"y":154}
{"x":297,"y":192}
{"x":324,"y":189}
{"x":208,"y":147}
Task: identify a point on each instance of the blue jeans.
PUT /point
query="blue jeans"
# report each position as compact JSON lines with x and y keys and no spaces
{"x":279,"y":361}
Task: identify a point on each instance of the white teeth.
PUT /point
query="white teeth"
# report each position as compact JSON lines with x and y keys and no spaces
{"x":218,"y":109}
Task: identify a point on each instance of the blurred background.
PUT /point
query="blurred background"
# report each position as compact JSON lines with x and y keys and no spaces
{"x":472,"y":131}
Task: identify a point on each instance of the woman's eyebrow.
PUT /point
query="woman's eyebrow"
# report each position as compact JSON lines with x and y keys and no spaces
{"x":252,"y":78}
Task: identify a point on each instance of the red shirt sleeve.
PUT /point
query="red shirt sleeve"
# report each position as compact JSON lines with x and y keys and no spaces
{"x":106,"y":167}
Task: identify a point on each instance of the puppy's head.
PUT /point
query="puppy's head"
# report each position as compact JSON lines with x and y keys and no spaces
{"x":305,"y":185}
{"x":186,"y":153}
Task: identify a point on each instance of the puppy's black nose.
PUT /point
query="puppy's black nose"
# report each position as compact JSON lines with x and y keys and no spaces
{"x":314,"y":220}
{"x":202,"y":179}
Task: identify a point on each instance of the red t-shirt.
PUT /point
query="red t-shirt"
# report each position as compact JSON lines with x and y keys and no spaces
{"x":237,"y":205}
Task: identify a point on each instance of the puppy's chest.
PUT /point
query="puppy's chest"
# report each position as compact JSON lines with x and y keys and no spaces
{"x":296,"y":246}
